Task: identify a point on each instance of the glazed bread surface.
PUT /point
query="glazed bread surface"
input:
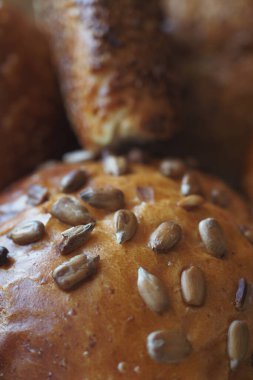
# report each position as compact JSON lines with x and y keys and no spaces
{"x":192,"y":284}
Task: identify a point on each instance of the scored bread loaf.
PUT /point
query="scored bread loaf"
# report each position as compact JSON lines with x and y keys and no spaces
{"x":115,"y":67}
{"x":33,"y":125}
{"x":118,"y":270}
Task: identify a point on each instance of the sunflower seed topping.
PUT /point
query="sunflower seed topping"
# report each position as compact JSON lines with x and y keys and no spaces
{"x":37,"y":194}
{"x":125,"y":224}
{"x":213,"y":237}
{"x":79,"y":268}
{"x":220,"y":197}
{"x":152,"y":291}
{"x":70,"y":211}
{"x":191,"y":202}
{"x":28,"y":232}
{"x":75,"y":237}
{"x":115,"y":165}
{"x":190,"y":185}
{"x":168,"y":346}
{"x":247,"y":232}
{"x":193,"y":286}
{"x":110,"y":199}
{"x":241,"y":294}
{"x":238,"y":342}
{"x":165,"y":237}
{"x":73,"y":181}
{"x":3,"y":255}
{"x":173,"y":168}
{"x":79,"y":156}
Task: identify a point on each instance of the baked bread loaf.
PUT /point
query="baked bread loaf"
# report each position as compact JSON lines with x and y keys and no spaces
{"x":119,"y":270}
{"x":33,"y":125}
{"x":215,"y":59}
{"x":115,"y":68}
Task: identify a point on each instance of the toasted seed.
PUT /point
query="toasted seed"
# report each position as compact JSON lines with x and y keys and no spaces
{"x":110,"y":199}
{"x":191,"y":202}
{"x":71,"y":211}
{"x":165,"y":237}
{"x":213,"y":237}
{"x":152,"y":291}
{"x":28,"y":232}
{"x":173,"y":168}
{"x":3,"y":255}
{"x":220,"y":197}
{"x":238,"y":342}
{"x":241,"y":294}
{"x":79,"y":156}
{"x":193,"y":286}
{"x":247,"y":232}
{"x":77,"y":269}
{"x":125,"y":224}
{"x":73,"y":181}
{"x":145,"y":193}
{"x":37,"y":194}
{"x":168,"y":346}
{"x":137,"y":156}
{"x":190,"y":185}
{"x":115,"y":165}
{"x":75,"y":237}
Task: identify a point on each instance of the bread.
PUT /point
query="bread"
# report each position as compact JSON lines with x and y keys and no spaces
{"x":33,"y":125}
{"x":115,"y":67}
{"x":215,"y":59}
{"x":198,"y":292}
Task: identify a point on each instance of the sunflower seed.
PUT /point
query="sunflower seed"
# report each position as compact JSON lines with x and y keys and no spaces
{"x":241,"y":294}
{"x":191,"y":202}
{"x":152,"y":291}
{"x":193,"y":286}
{"x":115,"y":165}
{"x":247,"y":232}
{"x":73,"y":181}
{"x":168,"y":346}
{"x":110,"y":199}
{"x":71,"y":211}
{"x":125,"y":224}
{"x":145,"y":193}
{"x":190,"y":185}
{"x":220,"y":197}
{"x":165,"y":237}
{"x":28,"y":232}
{"x":77,"y":269}
{"x":37,"y":194}
{"x":3,"y":255}
{"x":238,"y":341}
{"x":213,"y":237}
{"x":75,"y":237}
{"x":173,"y":168}
{"x":137,"y":156}
{"x":79,"y":156}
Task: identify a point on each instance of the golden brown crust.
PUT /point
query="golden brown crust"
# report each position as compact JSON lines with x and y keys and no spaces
{"x":215,"y":59}
{"x":32,"y":122}
{"x":99,"y":330}
{"x":115,"y":67}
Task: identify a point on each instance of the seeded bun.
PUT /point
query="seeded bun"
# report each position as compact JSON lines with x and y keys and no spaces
{"x":116,"y":72}
{"x":112,"y":270}
{"x":32,"y":122}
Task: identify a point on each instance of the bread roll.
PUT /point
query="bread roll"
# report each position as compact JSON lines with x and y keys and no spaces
{"x":155,"y":285}
{"x":115,"y":67}
{"x":33,"y":125}
{"x":215,"y":58}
